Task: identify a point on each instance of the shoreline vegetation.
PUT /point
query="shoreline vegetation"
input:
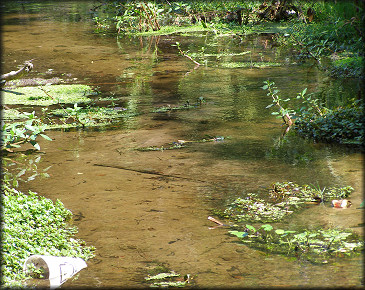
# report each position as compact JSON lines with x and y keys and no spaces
{"x":314,"y":30}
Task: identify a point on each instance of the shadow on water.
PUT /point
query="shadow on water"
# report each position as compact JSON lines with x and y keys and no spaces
{"x":139,"y":208}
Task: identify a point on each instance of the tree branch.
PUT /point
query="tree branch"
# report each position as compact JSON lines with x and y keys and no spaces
{"x":28,"y":66}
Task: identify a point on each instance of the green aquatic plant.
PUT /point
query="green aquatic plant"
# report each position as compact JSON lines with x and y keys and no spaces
{"x":346,"y":65}
{"x":179,"y":144}
{"x":168,"y":279}
{"x":162,"y":148}
{"x":283,"y":111}
{"x":286,"y":191}
{"x":85,"y":115}
{"x":249,"y":64}
{"x":90,"y":115}
{"x":42,"y":96}
{"x":318,"y":246}
{"x":253,"y":208}
{"x":185,"y":106}
{"x":284,"y":198}
{"x":342,"y":125}
{"x":161,"y":276}
{"x":22,"y":167}
{"x":47,"y":231}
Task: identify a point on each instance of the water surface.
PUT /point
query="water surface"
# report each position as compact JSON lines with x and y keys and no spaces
{"x":140,"y":209}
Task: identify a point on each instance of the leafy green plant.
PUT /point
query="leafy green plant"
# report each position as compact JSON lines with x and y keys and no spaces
{"x":169,"y":279}
{"x":185,"y":53}
{"x":346,"y":65}
{"x":23,"y":168}
{"x":46,"y":232}
{"x":18,"y":133}
{"x":318,"y":246}
{"x":285,"y":191}
{"x":185,"y":106}
{"x":180,"y":144}
{"x":285,"y":113}
{"x":284,"y":199}
{"x":252,"y":208}
{"x":341,"y":125}
{"x":313,"y":120}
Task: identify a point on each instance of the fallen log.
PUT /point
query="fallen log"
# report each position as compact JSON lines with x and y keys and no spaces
{"x":27,"y":67}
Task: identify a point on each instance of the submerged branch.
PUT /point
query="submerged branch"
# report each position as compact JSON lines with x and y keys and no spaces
{"x":152,"y":172}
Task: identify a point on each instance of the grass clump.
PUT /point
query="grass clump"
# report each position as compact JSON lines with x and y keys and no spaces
{"x":34,"y":225}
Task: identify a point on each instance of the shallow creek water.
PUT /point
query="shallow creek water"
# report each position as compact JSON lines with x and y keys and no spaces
{"x":143,"y":208}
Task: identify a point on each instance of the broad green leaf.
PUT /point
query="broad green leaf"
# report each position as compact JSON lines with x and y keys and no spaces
{"x":267,"y":227}
{"x":45,"y":137}
{"x":35,"y":145}
{"x":238,"y":234}
{"x":252,"y":228}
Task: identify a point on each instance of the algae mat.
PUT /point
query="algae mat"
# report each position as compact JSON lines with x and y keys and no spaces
{"x":47,"y":95}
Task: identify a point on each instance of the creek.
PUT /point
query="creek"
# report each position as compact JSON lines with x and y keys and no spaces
{"x":141,"y":209}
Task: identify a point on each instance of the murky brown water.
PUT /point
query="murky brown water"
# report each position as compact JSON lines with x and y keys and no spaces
{"x":136,"y":218}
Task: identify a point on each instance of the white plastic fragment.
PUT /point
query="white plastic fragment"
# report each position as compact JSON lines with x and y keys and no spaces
{"x":56,"y":269}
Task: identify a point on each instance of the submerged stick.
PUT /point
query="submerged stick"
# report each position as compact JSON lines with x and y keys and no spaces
{"x":215,"y":221}
{"x":151,"y":172}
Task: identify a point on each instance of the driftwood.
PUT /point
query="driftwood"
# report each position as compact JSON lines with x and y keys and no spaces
{"x":27,"y":67}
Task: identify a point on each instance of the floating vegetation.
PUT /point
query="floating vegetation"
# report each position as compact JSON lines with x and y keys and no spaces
{"x":218,"y":55}
{"x":284,"y":197}
{"x":42,"y":96}
{"x":318,"y":246}
{"x":179,"y":144}
{"x":163,"y":277}
{"x":249,"y":64}
{"x":93,"y":114}
{"x":168,"y":30}
{"x":11,"y":114}
{"x":287,"y":191}
{"x":185,"y":106}
{"x":252,"y":208}
{"x":162,"y":148}
{"x":33,"y":82}
{"x":169,"y":279}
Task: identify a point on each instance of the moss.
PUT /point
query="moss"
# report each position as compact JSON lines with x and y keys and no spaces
{"x":34,"y":96}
